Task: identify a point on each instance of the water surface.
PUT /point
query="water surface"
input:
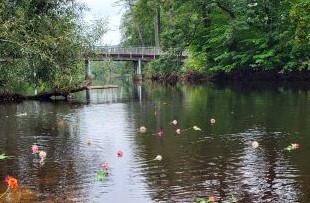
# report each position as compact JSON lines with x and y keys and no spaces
{"x":217,"y":161}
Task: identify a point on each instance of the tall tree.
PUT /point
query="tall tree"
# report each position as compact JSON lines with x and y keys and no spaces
{"x":156,"y":23}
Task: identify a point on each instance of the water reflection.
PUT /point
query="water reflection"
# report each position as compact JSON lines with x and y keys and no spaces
{"x":218,"y":161}
{"x":138,"y":92}
{"x":87,"y":96}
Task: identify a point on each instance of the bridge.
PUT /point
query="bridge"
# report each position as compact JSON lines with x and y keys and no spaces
{"x":127,"y":53}
{"x":135,"y":54}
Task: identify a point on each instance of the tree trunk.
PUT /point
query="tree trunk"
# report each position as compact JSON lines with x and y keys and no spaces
{"x":136,"y":26}
{"x":156,"y":23}
{"x":45,"y":96}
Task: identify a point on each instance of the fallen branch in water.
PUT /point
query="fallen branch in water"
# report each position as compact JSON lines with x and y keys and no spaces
{"x":45,"y":96}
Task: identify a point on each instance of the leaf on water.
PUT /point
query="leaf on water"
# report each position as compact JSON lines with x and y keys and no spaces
{"x":3,"y":156}
{"x":289,"y":148}
{"x":200,"y":200}
{"x":158,"y":158}
{"x":101,"y":175}
{"x":21,"y":114}
{"x":234,"y":200}
{"x":196,"y":128}
{"x":292,"y":147}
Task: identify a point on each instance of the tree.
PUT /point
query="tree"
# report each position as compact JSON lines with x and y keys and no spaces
{"x":230,"y":36}
{"x":42,"y":43}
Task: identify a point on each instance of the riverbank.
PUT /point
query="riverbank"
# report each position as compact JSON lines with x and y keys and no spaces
{"x":243,"y":76}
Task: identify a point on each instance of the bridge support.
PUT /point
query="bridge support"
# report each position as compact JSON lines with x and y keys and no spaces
{"x":87,"y":69}
{"x":137,"y":69}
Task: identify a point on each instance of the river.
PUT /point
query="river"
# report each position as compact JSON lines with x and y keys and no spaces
{"x":200,"y":160}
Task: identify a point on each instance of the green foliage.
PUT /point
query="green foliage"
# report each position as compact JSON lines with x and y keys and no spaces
{"x":227,"y":36}
{"x":167,"y":63}
{"x":137,"y":24}
{"x":195,"y":63}
{"x":42,"y":43}
{"x":102,"y":70}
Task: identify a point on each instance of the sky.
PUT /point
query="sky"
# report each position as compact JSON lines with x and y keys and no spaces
{"x":106,"y":9}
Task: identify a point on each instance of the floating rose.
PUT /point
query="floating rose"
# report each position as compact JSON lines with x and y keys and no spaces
{"x":174,"y":122}
{"x":12,"y":184}
{"x":212,"y":199}
{"x":142,"y":129}
{"x":178,"y":131}
{"x":295,"y":146}
{"x":61,"y":123}
{"x":105,"y":166}
{"x":103,"y":172}
{"x":212,"y":121}
{"x":35,"y":149}
{"x":158,"y":158}
{"x":255,"y":144}
{"x":120,"y":153}
{"x":42,"y":155}
{"x":292,"y":147}
{"x":196,"y":128}
{"x":161,"y":132}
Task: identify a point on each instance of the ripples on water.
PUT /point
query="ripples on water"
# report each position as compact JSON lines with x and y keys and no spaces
{"x":217,"y":161}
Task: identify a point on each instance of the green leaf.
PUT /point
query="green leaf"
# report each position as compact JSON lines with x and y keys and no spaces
{"x":101,"y":175}
{"x":222,"y":56}
{"x":196,"y":128}
{"x":200,"y":200}
{"x":3,"y":156}
{"x":264,"y":55}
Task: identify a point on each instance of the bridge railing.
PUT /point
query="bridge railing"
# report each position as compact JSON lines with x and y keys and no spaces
{"x":147,"y":51}
{"x":129,"y":53}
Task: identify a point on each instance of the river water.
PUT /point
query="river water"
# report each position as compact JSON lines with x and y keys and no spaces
{"x":218,"y":160}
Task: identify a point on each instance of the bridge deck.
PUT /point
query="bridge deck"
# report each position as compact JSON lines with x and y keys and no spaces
{"x":128,"y":53}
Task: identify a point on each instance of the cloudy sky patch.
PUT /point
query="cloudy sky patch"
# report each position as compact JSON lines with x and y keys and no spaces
{"x":107,"y":9}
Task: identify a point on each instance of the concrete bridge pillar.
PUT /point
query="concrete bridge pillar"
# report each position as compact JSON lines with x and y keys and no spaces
{"x":87,"y":69}
{"x":137,"y":69}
